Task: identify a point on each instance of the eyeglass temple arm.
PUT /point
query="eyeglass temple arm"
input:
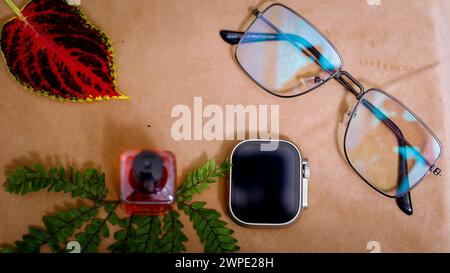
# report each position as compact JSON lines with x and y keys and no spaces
{"x":231,"y":37}
{"x":404,"y":202}
{"x":236,"y":37}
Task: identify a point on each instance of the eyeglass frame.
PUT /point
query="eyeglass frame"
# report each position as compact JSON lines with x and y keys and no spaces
{"x":349,"y":82}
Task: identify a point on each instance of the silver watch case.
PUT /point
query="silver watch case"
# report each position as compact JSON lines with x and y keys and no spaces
{"x":253,"y":214}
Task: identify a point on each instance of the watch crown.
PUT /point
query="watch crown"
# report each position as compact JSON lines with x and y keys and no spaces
{"x":306,"y":169}
{"x":305,"y":182}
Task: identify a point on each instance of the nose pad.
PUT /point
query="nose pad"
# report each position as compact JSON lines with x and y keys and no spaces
{"x":347,"y":107}
{"x":309,"y":81}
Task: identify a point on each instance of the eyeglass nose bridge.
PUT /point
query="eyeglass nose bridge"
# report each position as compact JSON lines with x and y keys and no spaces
{"x":350,"y":82}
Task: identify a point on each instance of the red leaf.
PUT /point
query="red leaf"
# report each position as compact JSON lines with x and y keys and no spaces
{"x":52,"y":49}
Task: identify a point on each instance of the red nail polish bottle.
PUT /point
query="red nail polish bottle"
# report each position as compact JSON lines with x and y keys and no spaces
{"x":147,"y":182}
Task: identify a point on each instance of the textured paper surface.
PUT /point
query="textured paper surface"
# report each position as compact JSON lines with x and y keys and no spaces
{"x":169,"y":51}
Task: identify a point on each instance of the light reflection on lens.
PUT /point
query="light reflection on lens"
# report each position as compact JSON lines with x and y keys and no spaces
{"x":388,"y":146}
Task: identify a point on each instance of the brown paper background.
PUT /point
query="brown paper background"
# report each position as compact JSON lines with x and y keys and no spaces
{"x":169,"y":51}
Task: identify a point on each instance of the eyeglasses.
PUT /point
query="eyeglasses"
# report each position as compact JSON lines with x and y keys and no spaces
{"x":385,"y":143}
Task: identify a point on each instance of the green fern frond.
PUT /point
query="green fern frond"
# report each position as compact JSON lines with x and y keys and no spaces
{"x":143,"y":234}
{"x":124,"y":237}
{"x":172,"y":241}
{"x":148,"y":230}
{"x":8,"y":249}
{"x":87,"y":185}
{"x":199,"y":180}
{"x":213,"y":233}
{"x":95,"y":230}
{"x":59,"y":227}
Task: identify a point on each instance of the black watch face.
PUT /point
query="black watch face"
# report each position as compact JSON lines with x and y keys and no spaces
{"x":265,"y":185}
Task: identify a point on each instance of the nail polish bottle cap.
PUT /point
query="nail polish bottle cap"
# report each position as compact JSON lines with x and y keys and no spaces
{"x":148,"y":171}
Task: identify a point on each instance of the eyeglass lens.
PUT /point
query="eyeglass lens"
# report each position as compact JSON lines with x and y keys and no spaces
{"x":388,"y":145}
{"x":285,"y":54}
